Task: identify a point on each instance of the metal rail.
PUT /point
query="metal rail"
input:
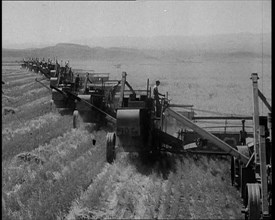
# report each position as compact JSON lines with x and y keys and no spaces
{"x":122,"y":89}
{"x":254,"y":78}
{"x":43,"y":84}
{"x":263,"y":98}
{"x":222,"y":117}
{"x":182,"y":106}
{"x":215,"y":140}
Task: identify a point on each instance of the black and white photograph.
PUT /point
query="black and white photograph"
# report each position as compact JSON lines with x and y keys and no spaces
{"x":136,"y":110}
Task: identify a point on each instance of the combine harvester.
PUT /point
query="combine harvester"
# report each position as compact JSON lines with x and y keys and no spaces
{"x":97,"y":100}
{"x":62,"y":85}
{"x":138,"y":129}
{"x":24,"y":64}
{"x":94,"y":100}
{"x":61,"y":81}
{"x":49,"y":69}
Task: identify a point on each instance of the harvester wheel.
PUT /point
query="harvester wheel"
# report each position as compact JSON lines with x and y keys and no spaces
{"x":110,"y":150}
{"x":252,"y":201}
{"x":76,"y":122}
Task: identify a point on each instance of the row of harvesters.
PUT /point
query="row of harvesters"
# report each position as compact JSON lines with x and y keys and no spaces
{"x":91,"y":96}
{"x":48,"y":68}
{"x":138,"y":128}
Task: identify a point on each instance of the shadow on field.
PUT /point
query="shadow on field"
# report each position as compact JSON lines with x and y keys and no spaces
{"x":65,"y":111}
{"x":94,"y":127}
{"x":161,"y":164}
{"x":165,"y":163}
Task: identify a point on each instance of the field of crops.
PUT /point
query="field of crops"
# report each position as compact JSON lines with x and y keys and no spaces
{"x":52,"y":171}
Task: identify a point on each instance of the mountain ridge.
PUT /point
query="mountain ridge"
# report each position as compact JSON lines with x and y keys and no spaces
{"x":158,"y":48}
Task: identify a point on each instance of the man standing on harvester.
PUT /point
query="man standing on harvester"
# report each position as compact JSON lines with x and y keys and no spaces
{"x":157,"y":99}
{"x":77,"y":82}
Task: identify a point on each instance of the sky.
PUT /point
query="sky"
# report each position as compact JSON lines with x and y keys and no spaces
{"x":51,"y":22}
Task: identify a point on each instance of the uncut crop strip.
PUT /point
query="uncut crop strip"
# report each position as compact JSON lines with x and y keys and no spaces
{"x":49,"y":189}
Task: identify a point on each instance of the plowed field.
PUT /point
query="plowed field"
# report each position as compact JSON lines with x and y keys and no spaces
{"x":52,"y":171}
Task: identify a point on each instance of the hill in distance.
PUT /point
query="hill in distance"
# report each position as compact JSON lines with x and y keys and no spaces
{"x":77,"y":52}
{"x":175,"y":48}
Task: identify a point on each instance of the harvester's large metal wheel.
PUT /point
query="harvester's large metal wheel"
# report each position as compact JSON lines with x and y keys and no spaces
{"x":76,"y":121}
{"x":252,"y":201}
{"x":110,"y":147}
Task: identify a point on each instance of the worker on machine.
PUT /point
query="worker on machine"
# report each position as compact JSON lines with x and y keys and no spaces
{"x":156,"y":98}
{"x":76,"y":82}
{"x":87,"y":80}
{"x":67,"y":67}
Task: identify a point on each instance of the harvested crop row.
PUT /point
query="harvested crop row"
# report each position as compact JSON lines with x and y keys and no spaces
{"x":27,"y":112}
{"x":21,"y":81}
{"x":29,"y":96}
{"x":17,"y":75}
{"x":69,"y":164}
{"x":171,"y":188}
{"x":9,"y":133}
{"x":16,"y":90}
{"x":27,"y":85}
{"x":12,"y":70}
{"x":31,"y":134}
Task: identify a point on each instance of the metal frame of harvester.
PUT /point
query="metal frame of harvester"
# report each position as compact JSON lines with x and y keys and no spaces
{"x":63,"y":89}
{"x":138,"y":129}
{"x":96,"y":101}
{"x":61,"y":79}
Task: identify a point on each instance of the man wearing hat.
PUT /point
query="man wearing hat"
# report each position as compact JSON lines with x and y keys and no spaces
{"x":156,"y":97}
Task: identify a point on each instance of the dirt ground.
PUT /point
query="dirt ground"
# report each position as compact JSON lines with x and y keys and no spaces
{"x":52,"y":171}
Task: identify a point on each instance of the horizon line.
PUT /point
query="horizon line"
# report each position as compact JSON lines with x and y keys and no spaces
{"x":39,"y":45}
